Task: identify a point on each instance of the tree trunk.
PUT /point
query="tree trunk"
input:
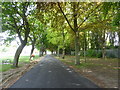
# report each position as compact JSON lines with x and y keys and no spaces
{"x":119,"y":37}
{"x":77,"y":49}
{"x":119,"y":44}
{"x":103,"y":46}
{"x":85,"y":47}
{"x":52,"y":52}
{"x":32,"y":51}
{"x":63,"y":53}
{"x":58,"y":52}
{"x":17,"y":55}
{"x":103,"y":52}
{"x":42,"y":52}
{"x":39,"y":53}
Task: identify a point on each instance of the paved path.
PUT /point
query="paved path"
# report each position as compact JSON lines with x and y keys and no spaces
{"x":52,"y":73}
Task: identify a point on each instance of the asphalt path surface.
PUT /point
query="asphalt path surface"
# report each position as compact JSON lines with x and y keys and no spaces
{"x":52,"y":73}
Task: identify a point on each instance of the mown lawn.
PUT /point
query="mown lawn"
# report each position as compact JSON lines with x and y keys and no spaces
{"x":22,"y":60}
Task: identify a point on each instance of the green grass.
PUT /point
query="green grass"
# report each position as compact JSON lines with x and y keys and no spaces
{"x":82,"y":65}
{"x":22,"y":59}
{"x":26,"y":58}
{"x":5,"y":67}
{"x":91,"y":62}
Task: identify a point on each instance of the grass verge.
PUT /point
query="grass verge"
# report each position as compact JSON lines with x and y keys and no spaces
{"x":103,"y":72}
{"x":22,"y":60}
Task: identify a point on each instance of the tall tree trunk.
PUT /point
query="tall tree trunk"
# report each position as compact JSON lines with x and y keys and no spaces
{"x":17,"y":55}
{"x":63,"y":53}
{"x":42,"y":52}
{"x":39,"y":53}
{"x":52,"y":52}
{"x":77,"y":49}
{"x":58,"y":52}
{"x":85,"y":47}
{"x":119,"y":37}
{"x":77,"y":45}
{"x":89,"y":40}
{"x":103,"y":46}
{"x":32,"y":51}
{"x":103,"y":52}
{"x":119,"y":44}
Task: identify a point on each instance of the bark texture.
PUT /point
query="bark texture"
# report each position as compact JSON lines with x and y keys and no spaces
{"x":33,"y":47}
{"x":17,"y":55}
{"x":77,"y":49}
{"x":58,"y":52}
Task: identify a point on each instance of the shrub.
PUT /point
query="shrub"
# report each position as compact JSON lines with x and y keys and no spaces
{"x":91,"y":53}
{"x":94,"y":53}
{"x":99,"y":54}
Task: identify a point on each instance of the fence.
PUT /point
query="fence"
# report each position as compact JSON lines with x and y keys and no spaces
{"x":111,"y":53}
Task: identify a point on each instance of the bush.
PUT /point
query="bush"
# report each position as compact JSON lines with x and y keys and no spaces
{"x":99,"y":54}
{"x":91,"y":53}
{"x":94,"y":53}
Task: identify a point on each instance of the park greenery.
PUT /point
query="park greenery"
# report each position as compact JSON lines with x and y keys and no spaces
{"x":64,"y":28}
{"x":22,"y":61}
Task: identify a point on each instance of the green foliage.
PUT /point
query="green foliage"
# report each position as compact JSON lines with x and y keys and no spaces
{"x":106,"y":7}
{"x":14,"y":19}
{"x":47,"y":24}
{"x":116,"y":20}
{"x":94,"y":53}
{"x":5,"y":67}
{"x":112,"y":7}
{"x":91,"y":53}
{"x":99,"y":54}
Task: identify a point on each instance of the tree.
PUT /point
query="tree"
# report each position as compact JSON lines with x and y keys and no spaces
{"x":76,"y":7}
{"x":76,"y":18}
{"x":35,"y":27}
{"x":15,"y":20}
{"x":112,"y":7}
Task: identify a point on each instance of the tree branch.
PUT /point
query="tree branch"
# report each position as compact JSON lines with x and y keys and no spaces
{"x":30,"y":38}
{"x":19,"y":35}
{"x":16,"y":10}
{"x":11,"y":24}
{"x":17,"y":29}
{"x":93,"y":24}
{"x":88,"y":15}
{"x":65,"y":17}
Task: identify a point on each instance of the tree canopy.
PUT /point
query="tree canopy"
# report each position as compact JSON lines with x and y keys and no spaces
{"x":62,"y":27}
